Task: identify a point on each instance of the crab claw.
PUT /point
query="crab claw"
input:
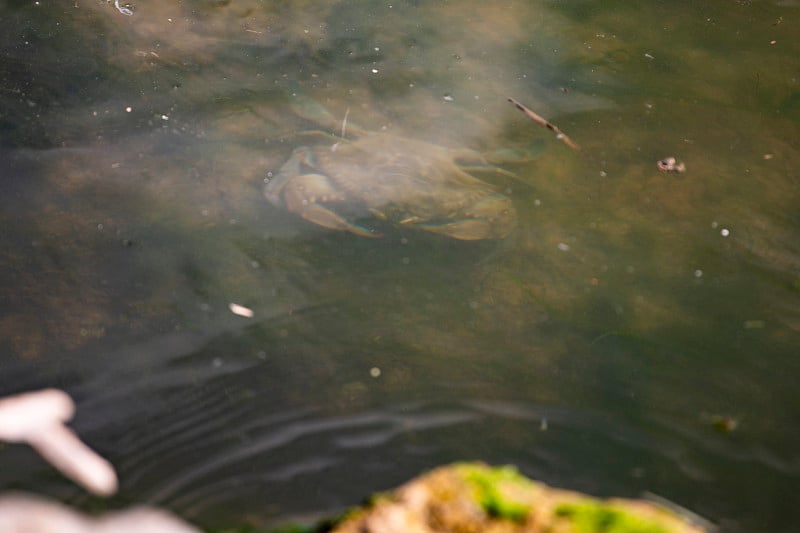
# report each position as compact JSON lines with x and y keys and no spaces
{"x":322,"y":216}
{"x":306,"y":195}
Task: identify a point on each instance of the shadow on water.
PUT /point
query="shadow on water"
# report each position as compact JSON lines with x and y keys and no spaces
{"x":594,"y":347}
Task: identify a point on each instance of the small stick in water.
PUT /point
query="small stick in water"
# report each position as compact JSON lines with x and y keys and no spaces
{"x":344,"y":123}
{"x":542,"y":121}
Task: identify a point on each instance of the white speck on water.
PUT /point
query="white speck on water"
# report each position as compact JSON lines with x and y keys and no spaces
{"x":698,"y":273}
{"x":537,"y":202}
{"x":375,"y":372}
{"x":374,"y":71}
{"x":240,"y":310}
{"x":216,"y":362}
{"x":164,"y":117}
{"x":124,"y":10}
{"x":564,"y":247}
{"x":724,"y":232}
{"x":99,"y":227}
{"x":128,"y":109}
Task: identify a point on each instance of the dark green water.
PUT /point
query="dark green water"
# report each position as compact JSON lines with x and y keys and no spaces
{"x":595,"y":347}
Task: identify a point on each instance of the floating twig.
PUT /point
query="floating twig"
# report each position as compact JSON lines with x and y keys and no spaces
{"x":547,"y":124}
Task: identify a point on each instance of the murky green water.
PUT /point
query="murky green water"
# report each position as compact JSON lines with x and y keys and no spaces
{"x":596,"y":347}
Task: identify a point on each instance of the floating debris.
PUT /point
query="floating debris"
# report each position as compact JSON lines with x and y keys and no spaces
{"x":671,"y":165}
{"x":125,"y":10}
{"x":542,"y":121}
{"x":240,"y":310}
{"x":724,"y":424}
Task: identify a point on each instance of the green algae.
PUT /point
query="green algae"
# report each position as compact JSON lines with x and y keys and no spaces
{"x":598,"y":517}
{"x":490,"y":484}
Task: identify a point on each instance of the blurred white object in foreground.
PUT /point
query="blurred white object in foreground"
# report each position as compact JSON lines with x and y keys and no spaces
{"x":27,"y":514}
{"x":37,"y":418}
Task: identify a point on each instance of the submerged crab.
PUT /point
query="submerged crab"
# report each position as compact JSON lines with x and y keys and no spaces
{"x":400,"y":180}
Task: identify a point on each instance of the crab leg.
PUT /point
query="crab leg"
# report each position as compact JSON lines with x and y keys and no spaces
{"x":492,"y":217}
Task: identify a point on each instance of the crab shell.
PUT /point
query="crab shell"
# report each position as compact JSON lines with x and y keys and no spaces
{"x":404,"y":181}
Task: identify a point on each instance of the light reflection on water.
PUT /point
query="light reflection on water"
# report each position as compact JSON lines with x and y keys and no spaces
{"x":592,"y":347}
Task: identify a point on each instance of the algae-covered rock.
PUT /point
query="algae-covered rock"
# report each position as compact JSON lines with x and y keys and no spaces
{"x":472,"y":498}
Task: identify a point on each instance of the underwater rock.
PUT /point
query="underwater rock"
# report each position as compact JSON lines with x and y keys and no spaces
{"x":473,"y":497}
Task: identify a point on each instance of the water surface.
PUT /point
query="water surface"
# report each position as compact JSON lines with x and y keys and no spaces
{"x":599,"y":347}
